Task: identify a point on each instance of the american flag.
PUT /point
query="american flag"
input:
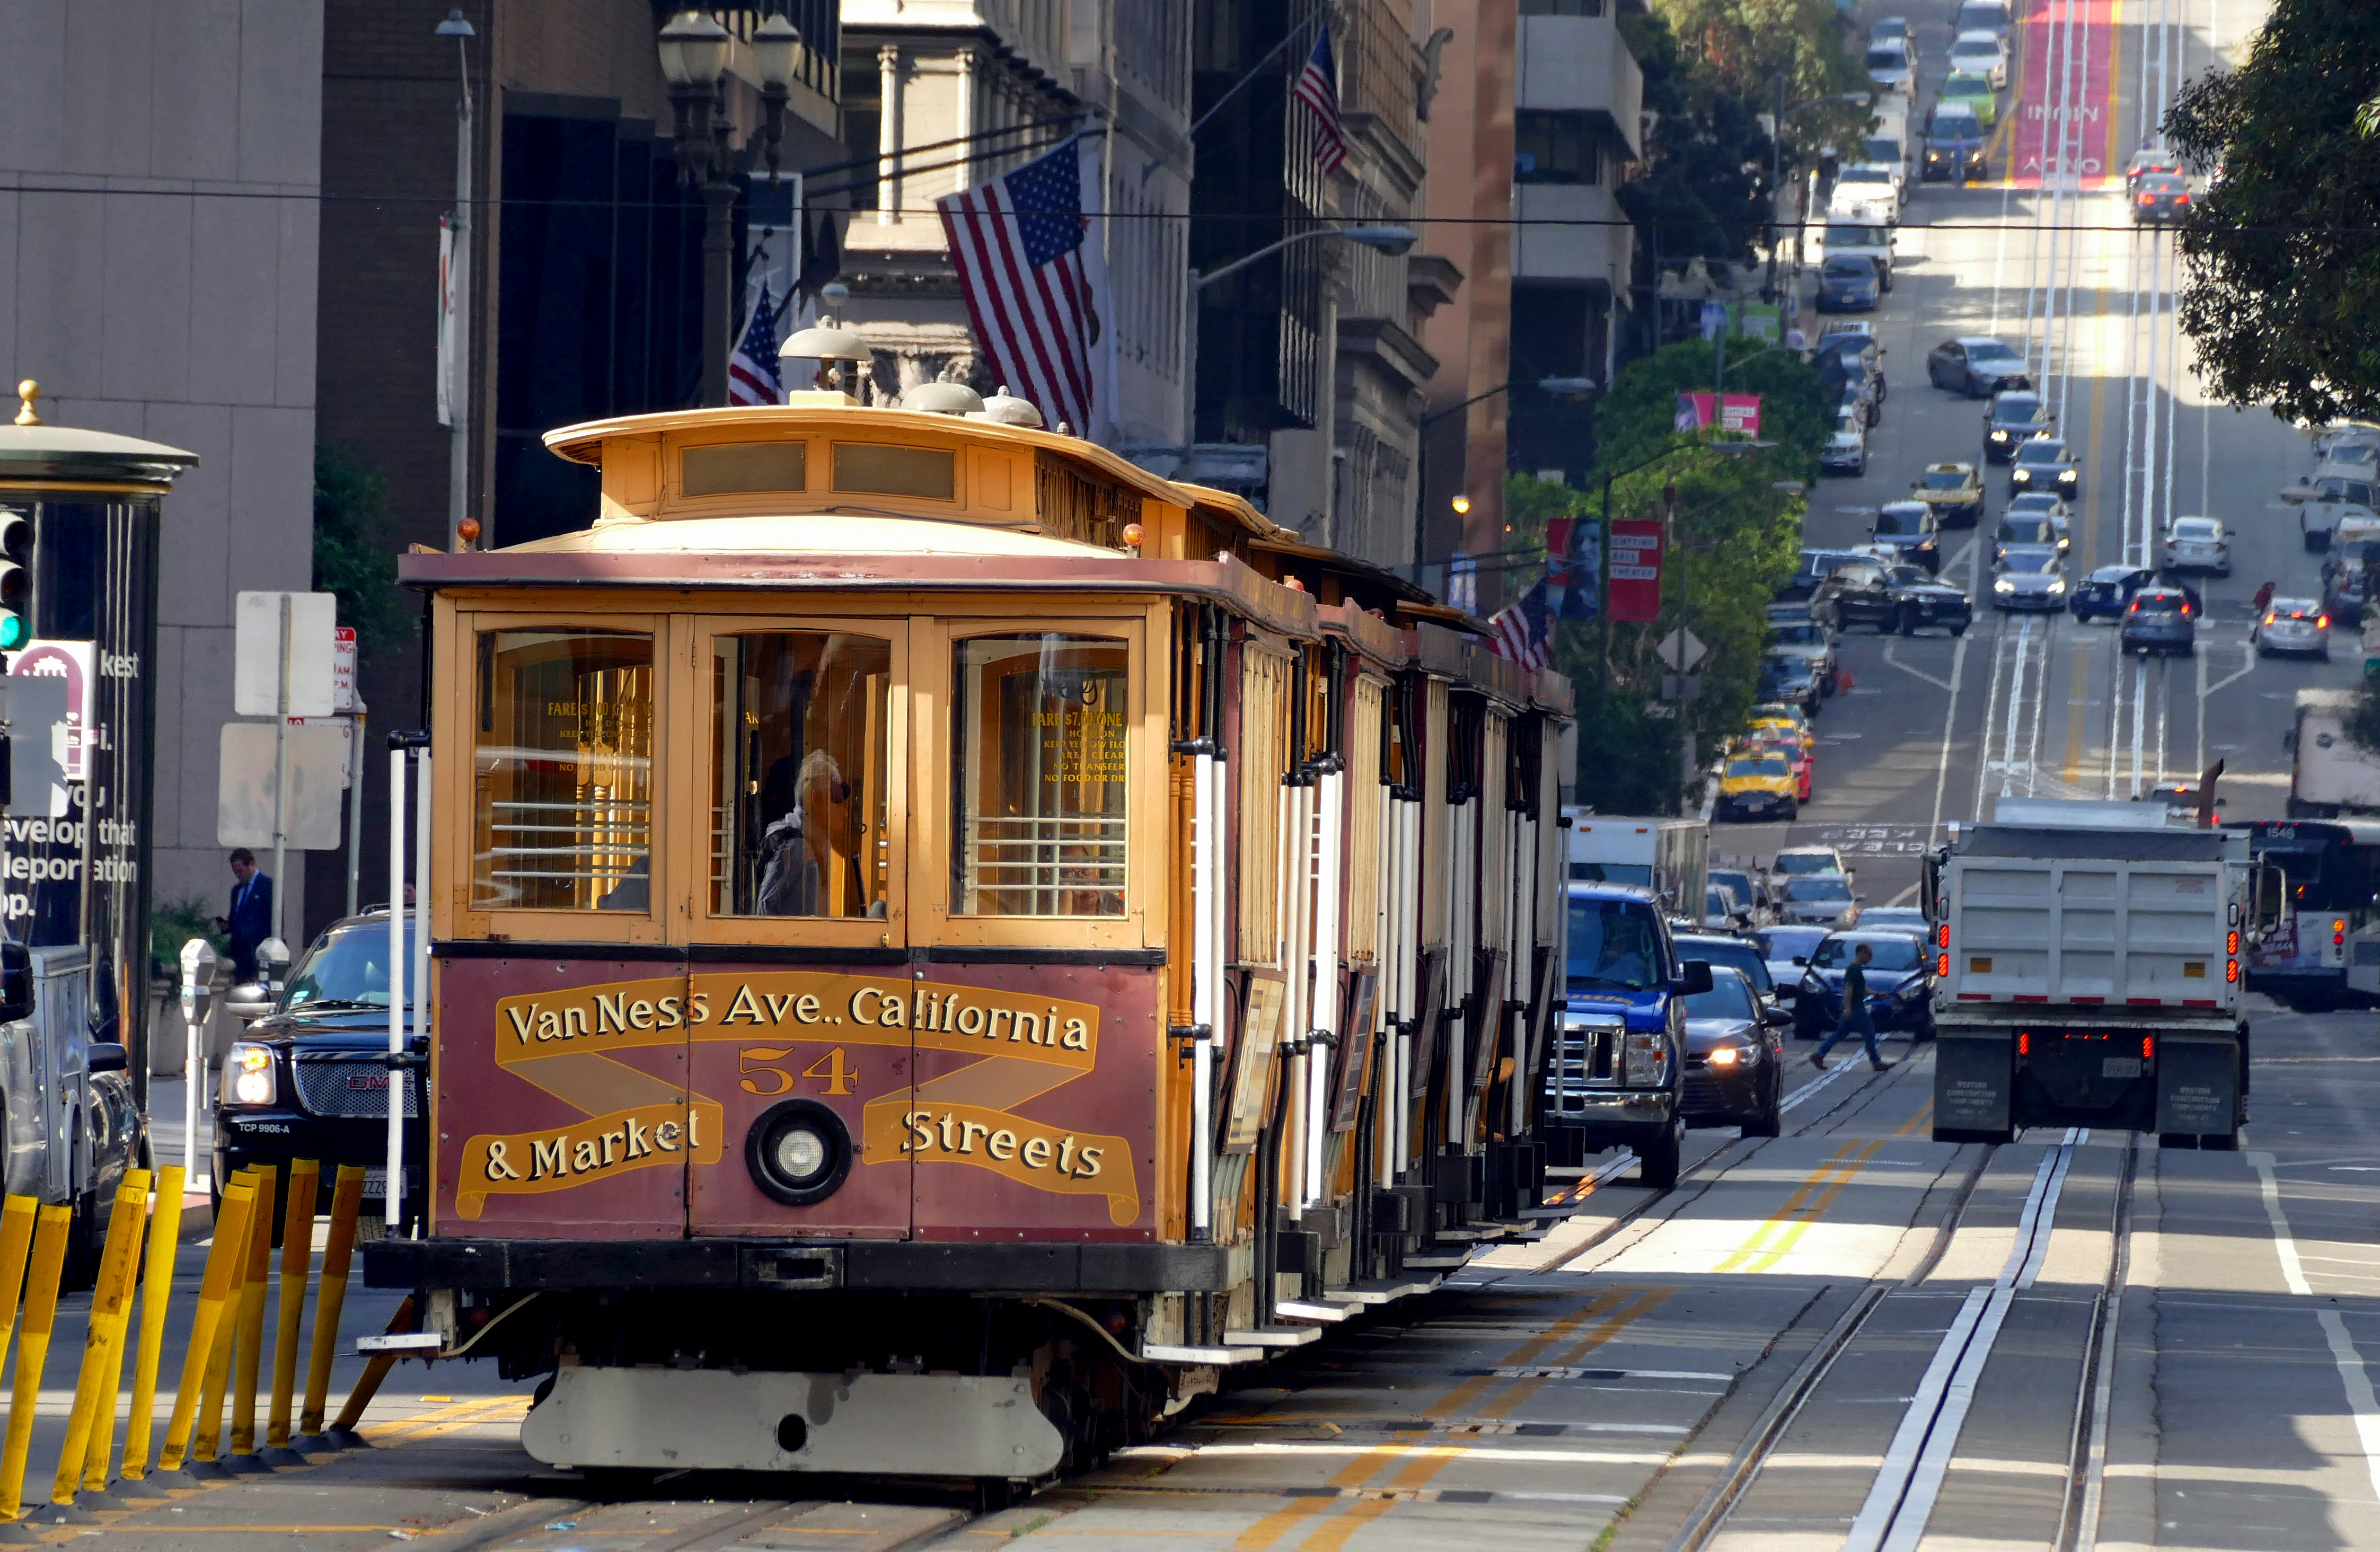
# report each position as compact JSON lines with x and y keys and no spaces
{"x":753,"y":377}
{"x":1524,"y":630}
{"x":1017,"y":245}
{"x":1317,"y":88}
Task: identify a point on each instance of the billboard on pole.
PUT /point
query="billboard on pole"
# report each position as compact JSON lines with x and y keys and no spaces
{"x":1635,"y":588}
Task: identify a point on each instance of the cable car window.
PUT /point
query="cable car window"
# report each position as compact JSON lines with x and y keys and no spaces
{"x":1039,"y":727}
{"x":744,"y":466}
{"x":797,"y":827}
{"x":562,"y":771}
{"x":876,"y":469}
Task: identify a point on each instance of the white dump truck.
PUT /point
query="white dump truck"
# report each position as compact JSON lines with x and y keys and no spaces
{"x":2089,"y":966}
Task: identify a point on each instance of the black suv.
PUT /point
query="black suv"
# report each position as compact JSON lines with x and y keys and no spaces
{"x":1899,"y":597}
{"x":1811,"y":579}
{"x":2016,"y":415}
{"x":310,"y":1079}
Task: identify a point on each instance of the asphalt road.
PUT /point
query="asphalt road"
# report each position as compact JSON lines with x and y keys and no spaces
{"x":1848,"y":1336}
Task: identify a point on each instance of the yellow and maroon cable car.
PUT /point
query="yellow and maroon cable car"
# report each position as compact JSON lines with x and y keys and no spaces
{"x":945,"y":941}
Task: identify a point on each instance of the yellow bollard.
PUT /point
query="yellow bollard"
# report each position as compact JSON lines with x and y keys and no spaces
{"x":40,"y":1315}
{"x":16,"y":1240}
{"x":376,"y":1369}
{"x":165,"y":1238}
{"x":102,"y":1452}
{"x":103,"y":1336}
{"x":347,"y":1202}
{"x":228,"y":1253}
{"x":206,"y":1443}
{"x":297,"y":1261}
{"x":250,"y":1340}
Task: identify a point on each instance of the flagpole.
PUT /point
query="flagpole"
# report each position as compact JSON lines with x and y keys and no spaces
{"x":1190,"y":134}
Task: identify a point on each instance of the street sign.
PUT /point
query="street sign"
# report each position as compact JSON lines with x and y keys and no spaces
{"x":247,"y":784}
{"x":346,"y":728}
{"x":37,"y":737}
{"x":257,"y":667}
{"x":1681,"y":686}
{"x":343,"y":669}
{"x":1681,"y":649}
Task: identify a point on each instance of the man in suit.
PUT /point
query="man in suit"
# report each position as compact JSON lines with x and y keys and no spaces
{"x":251,"y":921}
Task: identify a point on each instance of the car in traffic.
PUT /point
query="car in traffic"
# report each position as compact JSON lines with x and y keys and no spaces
{"x":1886,"y":30}
{"x":310,"y":1078}
{"x":1848,"y":282}
{"x":1890,"y":65}
{"x":1799,"y":634}
{"x":1804,"y":862}
{"x":1900,"y":978}
{"x":2043,"y":504}
{"x":2150,"y":161}
{"x":2028,"y":530}
{"x":1734,"y":1060}
{"x":2160,"y":198}
{"x":1723,"y":909}
{"x":1786,"y":950}
{"x":1897,"y":597}
{"x":1818,"y":899}
{"x":2323,"y":501}
{"x":1894,"y":918}
{"x":1912,"y":530}
{"x":1954,"y":146}
{"x":1616,"y":1072}
{"x":1977,"y":366}
{"x":2345,"y":590}
{"x":1741,"y":954}
{"x":2015,"y":416}
{"x":2029,"y":576}
{"x":1888,"y":151}
{"x":1806,"y":583}
{"x":2105,"y":592}
{"x":1866,"y":239}
{"x":2043,"y":463}
{"x":2294,"y":626}
{"x":1845,"y":451}
{"x":2195,"y":544}
{"x":2160,"y":619}
{"x":1748,"y":885}
{"x":1972,"y":90}
{"x":1983,"y":52}
{"x":1757,"y":786}
{"x":1987,"y":16}
{"x":1954,"y":491}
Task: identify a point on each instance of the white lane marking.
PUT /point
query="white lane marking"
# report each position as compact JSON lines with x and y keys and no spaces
{"x":1908,"y":1483}
{"x":2349,"y":1362}
{"x":1917,"y":673}
{"x":1951,"y":712}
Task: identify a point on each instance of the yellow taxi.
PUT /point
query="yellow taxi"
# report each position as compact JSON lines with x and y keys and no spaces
{"x":1804,"y":763}
{"x":1773,"y":720}
{"x":1756,"y":784}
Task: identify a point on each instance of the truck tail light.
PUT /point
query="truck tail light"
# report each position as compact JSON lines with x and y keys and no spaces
{"x":2231,"y":944}
{"x":1942,"y":935}
{"x":1942,"y":965}
{"x":2338,"y":932}
{"x":2232,"y":971}
{"x":2023,"y":1043}
{"x":2148,"y":1047}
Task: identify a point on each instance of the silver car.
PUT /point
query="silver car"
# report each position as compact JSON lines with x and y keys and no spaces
{"x":2029,"y":576}
{"x":1819,"y":900}
{"x":2197,"y":544}
{"x":2292,"y":624}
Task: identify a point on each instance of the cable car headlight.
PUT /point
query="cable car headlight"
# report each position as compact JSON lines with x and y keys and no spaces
{"x":798,"y":1152}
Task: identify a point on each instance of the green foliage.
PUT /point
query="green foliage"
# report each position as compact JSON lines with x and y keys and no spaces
{"x":355,"y":550}
{"x":1740,"y":535}
{"x":2283,"y":277}
{"x":174,"y":923}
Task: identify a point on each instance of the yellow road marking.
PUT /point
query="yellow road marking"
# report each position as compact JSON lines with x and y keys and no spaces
{"x":1644,"y":1305}
{"x":480,"y":1409}
{"x":1808,"y":1204}
{"x":1457,"y":1402}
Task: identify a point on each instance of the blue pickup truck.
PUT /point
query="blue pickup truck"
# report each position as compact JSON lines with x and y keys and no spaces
{"x":1619,"y":1060}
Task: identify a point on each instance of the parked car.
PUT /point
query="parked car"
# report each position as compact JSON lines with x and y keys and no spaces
{"x":1977,"y":366}
{"x":1848,"y":282}
{"x":2015,"y":415}
{"x":1791,"y":680}
{"x":1846,"y":447}
{"x":1734,"y":1059}
{"x":1899,"y":984}
{"x":2159,"y":619}
{"x":1756,"y":785}
{"x":2160,"y":198}
{"x":1839,"y":239}
{"x":2346,"y":591}
{"x":1982,"y":52}
{"x":1849,"y":345}
{"x":2105,"y":594}
{"x":2292,"y":624}
{"x":1912,"y":530}
{"x":1954,"y":491}
{"x":1890,"y":65}
{"x":1774,"y":719}
{"x":2196,"y":544}
{"x":2323,"y":501}
{"x":310,"y":1079}
{"x":1954,"y":146}
{"x":1798,"y":635}
{"x":2043,"y":463}
{"x":1888,"y":29}
{"x":1867,"y":191}
{"x":1807,"y":581}
{"x":2029,"y":576}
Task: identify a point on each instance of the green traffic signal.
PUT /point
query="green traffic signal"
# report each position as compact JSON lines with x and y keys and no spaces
{"x":12,"y":630}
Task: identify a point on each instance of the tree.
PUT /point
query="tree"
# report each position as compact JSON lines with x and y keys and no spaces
{"x":1739,"y":534}
{"x":356,"y":549}
{"x":2282,"y":271}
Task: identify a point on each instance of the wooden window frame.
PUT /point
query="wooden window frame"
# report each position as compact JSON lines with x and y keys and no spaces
{"x":691,"y":828}
{"x":1142,"y":926}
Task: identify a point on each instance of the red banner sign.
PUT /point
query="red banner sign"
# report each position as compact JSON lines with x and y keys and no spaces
{"x":1635,"y":589}
{"x":1738,"y":414}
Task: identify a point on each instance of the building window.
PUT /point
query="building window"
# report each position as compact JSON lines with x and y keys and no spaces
{"x":1040,"y":726}
{"x":1555,"y":148}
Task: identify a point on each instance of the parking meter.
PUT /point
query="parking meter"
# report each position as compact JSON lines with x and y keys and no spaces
{"x":198,"y":1002}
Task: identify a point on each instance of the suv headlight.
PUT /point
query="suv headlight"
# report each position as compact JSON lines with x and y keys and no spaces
{"x":1644,"y":1058}
{"x":248,"y":1076}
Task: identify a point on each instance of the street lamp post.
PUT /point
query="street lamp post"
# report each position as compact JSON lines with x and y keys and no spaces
{"x":695,"y":51}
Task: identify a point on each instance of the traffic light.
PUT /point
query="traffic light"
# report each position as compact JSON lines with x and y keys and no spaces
{"x":15,"y":579}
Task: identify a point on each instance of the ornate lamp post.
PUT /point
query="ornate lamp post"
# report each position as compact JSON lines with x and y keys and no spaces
{"x":694,"y":55}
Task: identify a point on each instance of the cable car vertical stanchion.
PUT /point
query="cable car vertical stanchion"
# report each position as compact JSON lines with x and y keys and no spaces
{"x":393,"y":1175}
{"x":400,"y":1084}
{"x":1205,"y":750}
{"x":165,"y":1238}
{"x":1326,"y":771}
